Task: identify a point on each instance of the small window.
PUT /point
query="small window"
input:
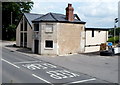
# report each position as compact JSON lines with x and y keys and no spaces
{"x":25,"y":25}
{"x":93,"y":33}
{"x":21,"y":25}
{"x":36,"y":27}
{"x":49,"y":28}
{"x":99,"y":31}
{"x":49,"y":44}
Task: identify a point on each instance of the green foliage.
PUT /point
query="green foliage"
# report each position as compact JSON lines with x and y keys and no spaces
{"x":16,"y":9}
{"x":112,"y":39}
{"x":117,"y":30}
{"x":11,"y":31}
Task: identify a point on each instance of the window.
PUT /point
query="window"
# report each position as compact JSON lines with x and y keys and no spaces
{"x":36,"y":27}
{"x":21,"y":25}
{"x":49,"y":28}
{"x":93,"y":33}
{"x":25,"y":25}
{"x":99,"y":31}
{"x":25,"y":39}
{"x":21,"y":39}
{"x":49,"y":44}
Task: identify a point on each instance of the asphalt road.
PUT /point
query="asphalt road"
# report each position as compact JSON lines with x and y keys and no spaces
{"x":19,"y":68}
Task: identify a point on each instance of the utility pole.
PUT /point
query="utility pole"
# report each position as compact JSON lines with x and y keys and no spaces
{"x":114,"y":32}
{"x":11,"y":18}
{"x":116,"y":20}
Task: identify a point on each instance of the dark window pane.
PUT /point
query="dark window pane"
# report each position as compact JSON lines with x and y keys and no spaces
{"x":21,"y":39}
{"x":93,"y":33}
{"x":21,"y":25}
{"x":49,"y":44}
{"x":36,"y":27}
{"x":25,"y":39}
{"x":25,"y":25}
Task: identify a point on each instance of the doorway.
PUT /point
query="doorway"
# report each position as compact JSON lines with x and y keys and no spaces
{"x":36,"y":46}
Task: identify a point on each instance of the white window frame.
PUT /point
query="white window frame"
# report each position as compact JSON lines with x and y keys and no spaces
{"x":47,"y":48}
{"x":49,"y":28}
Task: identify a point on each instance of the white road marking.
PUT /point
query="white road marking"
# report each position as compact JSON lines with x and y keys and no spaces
{"x":26,"y":62}
{"x":61,"y":74}
{"x":10,"y":63}
{"x":41,"y":79}
{"x":83,"y":81}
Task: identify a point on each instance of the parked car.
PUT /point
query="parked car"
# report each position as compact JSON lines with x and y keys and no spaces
{"x":110,"y":52}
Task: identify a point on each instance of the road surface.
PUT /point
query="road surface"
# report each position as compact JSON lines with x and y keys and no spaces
{"x":19,"y":68}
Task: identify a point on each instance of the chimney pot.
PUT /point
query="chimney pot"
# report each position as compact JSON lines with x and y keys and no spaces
{"x":69,"y":13}
{"x":69,"y":5}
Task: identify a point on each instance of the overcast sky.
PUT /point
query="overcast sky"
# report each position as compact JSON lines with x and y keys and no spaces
{"x":96,"y":13}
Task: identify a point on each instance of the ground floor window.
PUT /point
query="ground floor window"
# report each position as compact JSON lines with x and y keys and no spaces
{"x":21,"y":39}
{"x":25,"y":39}
{"x":48,"y":44}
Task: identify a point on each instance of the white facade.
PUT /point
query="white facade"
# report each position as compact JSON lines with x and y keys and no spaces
{"x":119,"y":14}
{"x":92,"y":43}
{"x":66,"y":38}
{"x":28,"y":32}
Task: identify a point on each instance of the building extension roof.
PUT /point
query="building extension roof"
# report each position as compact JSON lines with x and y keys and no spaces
{"x":98,"y":28}
{"x":55,"y":17}
{"x":31,"y":16}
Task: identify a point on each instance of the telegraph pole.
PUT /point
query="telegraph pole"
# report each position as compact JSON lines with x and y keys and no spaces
{"x":116,"y":20}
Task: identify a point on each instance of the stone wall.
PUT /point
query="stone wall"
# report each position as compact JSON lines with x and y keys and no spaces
{"x":70,"y":38}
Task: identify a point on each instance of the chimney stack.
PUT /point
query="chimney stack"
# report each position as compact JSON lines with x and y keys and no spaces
{"x":69,"y":13}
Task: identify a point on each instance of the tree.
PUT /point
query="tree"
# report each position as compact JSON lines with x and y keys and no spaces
{"x":14,"y":11}
{"x":117,"y":30}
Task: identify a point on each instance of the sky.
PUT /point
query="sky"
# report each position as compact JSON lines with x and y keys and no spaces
{"x":96,"y":13}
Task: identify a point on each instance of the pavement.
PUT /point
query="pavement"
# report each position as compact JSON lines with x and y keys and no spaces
{"x":104,"y":68}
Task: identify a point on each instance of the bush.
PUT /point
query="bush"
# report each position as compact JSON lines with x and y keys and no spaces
{"x":112,"y":39}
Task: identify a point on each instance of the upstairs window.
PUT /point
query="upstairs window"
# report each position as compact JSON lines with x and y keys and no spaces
{"x":36,"y":27}
{"x":93,"y":34}
{"x":25,"y":25}
{"x":48,"y":44}
{"x":21,"y":25}
{"x":49,"y":28}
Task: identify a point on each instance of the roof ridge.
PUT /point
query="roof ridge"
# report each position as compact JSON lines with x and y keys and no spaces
{"x":57,"y":13}
{"x":41,"y":16}
{"x":53,"y":16}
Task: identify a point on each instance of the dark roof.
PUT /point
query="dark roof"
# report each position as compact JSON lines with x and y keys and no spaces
{"x":31,"y":16}
{"x":98,"y":28}
{"x":55,"y":17}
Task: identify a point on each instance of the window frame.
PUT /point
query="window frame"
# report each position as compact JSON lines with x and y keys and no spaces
{"x":36,"y":26}
{"x":49,"y":48}
{"x":49,"y":25}
{"x":25,"y":24}
{"x":25,"y":39}
{"x":21,"y":25}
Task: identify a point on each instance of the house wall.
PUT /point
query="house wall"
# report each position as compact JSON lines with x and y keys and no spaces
{"x":18,"y":35}
{"x":48,"y":36}
{"x":29,"y":34}
{"x":100,"y":36}
{"x":71,"y":38}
